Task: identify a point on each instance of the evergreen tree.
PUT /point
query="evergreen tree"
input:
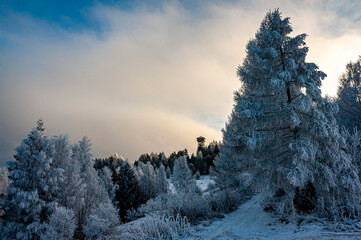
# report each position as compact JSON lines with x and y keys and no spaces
{"x":204,"y":159}
{"x":182,"y":177}
{"x":120,"y":181}
{"x":147,"y":180}
{"x":72,"y":189}
{"x":4,"y":180}
{"x":4,"y":183}
{"x":94,"y":192}
{"x":106,"y":180}
{"x":282,"y":135}
{"x":163,"y":160}
{"x":162,"y":183}
{"x":198,"y":175}
{"x":168,"y":172}
{"x":144,"y":158}
{"x":200,"y":163}
{"x":127,"y":195}
{"x":353,"y":146}
{"x":226,"y":176}
{"x":33,"y":189}
{"x":173,"y":156}
{"x":111,"y":162}
{"x":349,"y":96}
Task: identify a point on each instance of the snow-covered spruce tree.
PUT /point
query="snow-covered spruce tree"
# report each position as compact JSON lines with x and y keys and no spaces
{"x":197,"y":175}
{"x":182,"y":178}
{"x":199,"y":162}
{"x":4,"y":180}
{"x":282,"y":135}
{"x":353,"y":146}
{"x":226,"y":176}
{"x":106,"y":180}
{"x":226,"y":171}
{"x":32,"y":193}
{"x":349,"y":96}
{"x":147,"y":179}
{"x":187,"y":199}
{"x":94,"y":193}
{"x":168,"y":172}
{"x":4,"y":183}
{"x":162,"y":183}
{"x":72,"y":188}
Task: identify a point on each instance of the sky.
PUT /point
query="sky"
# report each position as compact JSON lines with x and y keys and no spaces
{"x":142,"y":76}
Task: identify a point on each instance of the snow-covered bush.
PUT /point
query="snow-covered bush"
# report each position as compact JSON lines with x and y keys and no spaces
{"x":225,"y":203}
{"x":61,"y":225}
{"x":101,"y":222}
{"x":156,"y":226}
{"x":192,"y":205}
{"x":188,"y":204}
{"x":226,"y":190}
{"x":158,"y":205}
{"x":187,"y":199}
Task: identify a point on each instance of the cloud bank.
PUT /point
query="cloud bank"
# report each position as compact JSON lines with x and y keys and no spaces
{"x":155,"y":78}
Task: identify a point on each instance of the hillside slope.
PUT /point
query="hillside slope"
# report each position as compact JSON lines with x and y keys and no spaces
{"x":251,"y":222}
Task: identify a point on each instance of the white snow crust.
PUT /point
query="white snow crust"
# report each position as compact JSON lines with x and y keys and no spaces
{"x":251,"y":222}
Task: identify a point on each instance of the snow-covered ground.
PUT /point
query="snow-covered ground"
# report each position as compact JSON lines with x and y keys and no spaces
{"x":251,"y":222}
{"x":202,"y":183}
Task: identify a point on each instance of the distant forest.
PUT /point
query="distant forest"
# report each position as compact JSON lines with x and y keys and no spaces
{"x":201,"y":162}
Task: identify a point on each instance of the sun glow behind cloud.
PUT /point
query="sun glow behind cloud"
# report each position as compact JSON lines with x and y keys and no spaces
{"x":155,"y":79}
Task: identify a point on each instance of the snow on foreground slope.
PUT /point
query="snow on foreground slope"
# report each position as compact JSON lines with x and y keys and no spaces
{"x":251,"y":222}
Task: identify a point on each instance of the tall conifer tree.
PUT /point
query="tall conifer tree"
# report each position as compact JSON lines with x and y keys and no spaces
{"x":282,"y":135}
{"x":72,"y":188}
{"x":162,"y":183}
{"x":349,"y":96}
{"x":128,"y":194}
{"x":34,"y":187}
{"x":182,"y":178}
{"x":94,"y":193}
